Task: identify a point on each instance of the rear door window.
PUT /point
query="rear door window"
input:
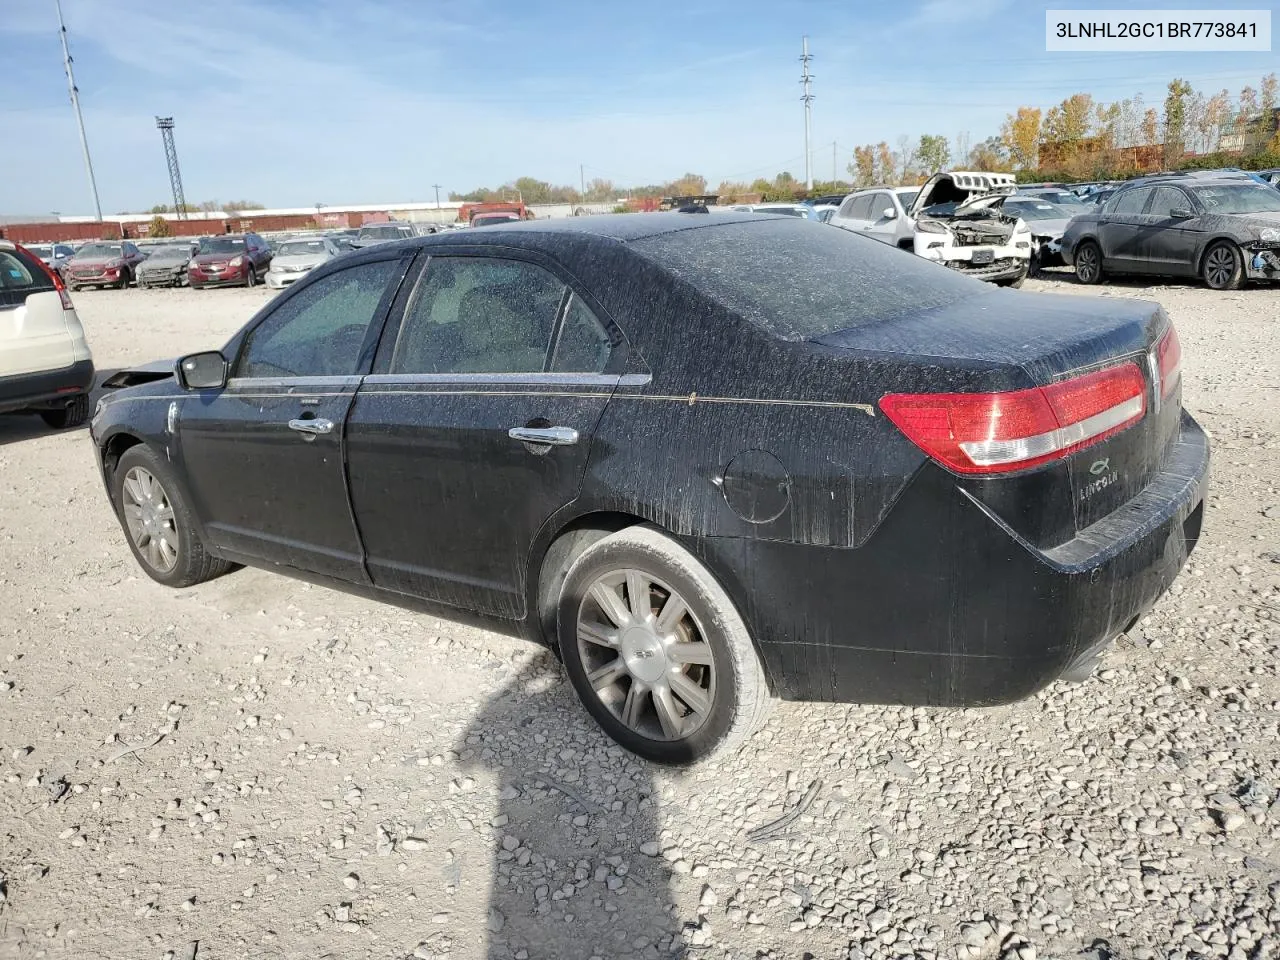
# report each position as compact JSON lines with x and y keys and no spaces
{"x":20,"y":276}
{"x":1129,"y":203}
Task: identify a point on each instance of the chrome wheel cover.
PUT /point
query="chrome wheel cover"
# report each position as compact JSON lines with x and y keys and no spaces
{"x":148,"y":514}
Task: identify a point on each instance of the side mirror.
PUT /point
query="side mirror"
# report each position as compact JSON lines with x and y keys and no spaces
{"x":889,"y":213}
{"x":203,"y":371}
{"x":1181,"y":213}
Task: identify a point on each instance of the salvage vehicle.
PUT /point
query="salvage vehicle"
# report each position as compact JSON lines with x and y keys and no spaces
{"x":706,"y":474}
{"x":372,"y":233}
{"x":56,"y":255}
{"x":1059,"y":195}
{"x":1224,"y":230}
{"x":1047,"y":223}
{"x":45,"y":364}
{"x":959,"y":222}
{"x":239,"y":260}
{"x":295,"y":258}
{"x":109,"y":263}
{"x":881,"y":214}
{"x":166,"y":265}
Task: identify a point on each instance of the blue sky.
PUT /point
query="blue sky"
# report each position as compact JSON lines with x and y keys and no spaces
{"x":290,"y":103}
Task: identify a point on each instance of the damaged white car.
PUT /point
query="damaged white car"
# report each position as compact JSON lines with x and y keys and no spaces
{"x":959,"y":223}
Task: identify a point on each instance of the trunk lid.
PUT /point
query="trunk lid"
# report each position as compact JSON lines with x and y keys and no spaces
{"x":34,"y":335}
{"x":1008,"y":341}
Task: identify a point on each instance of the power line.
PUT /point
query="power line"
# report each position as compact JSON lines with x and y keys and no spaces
{"x":75,"y":103}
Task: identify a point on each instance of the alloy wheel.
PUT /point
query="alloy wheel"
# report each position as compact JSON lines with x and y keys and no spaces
{"x":1219,"y":267}
{"x":646,"y":656}
{"x":148,"y":513}
{"x":1087,"y":264}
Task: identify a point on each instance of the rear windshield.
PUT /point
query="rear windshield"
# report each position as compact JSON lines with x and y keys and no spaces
{"x":20,"y":275}
{"x":801,"y":280}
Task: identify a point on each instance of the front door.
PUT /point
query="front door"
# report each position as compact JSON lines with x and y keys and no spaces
{"x":264,"y":455}
{"x":883,"y":219}
{"x":1167,"y":242}
{"x":476,"y":427}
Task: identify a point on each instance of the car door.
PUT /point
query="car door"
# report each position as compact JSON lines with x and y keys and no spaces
{"x":1167,"y":243}
{"x":1118,"y":230}
{"x":263,"y":456}
{"x":476,"y":426}
{"x":882,"y":218}
{"x":853,"y":213}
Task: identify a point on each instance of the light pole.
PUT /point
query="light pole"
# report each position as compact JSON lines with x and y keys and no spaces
{"x":436,"y":187}
{"x":75,"y":102}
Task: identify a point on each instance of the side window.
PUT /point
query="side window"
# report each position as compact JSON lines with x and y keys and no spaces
{"x":478,"y":315}
{"x":1168,"y":199}
{"x":584,"y":345}
{"x":880,"y":202}
{"x":1129,"y":202}
{"x":846,"y":208}
{"x":318,"y":332}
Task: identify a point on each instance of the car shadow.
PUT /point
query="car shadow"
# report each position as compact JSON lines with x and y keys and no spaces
{"x":568,"y":878}
{"x":17,"y":427}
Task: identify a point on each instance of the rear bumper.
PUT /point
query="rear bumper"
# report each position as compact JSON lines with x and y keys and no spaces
{"x":945,"y":605}
{"x":47,"y":389}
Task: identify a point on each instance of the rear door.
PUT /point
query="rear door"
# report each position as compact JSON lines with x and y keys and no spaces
{"x":1167,"y":242}
{"x":264,"y":456}
{"x":33,"y":333}
{"x":477,"y":425}
{"x":882,"y":218}
{"x":1118,"y":232}
{"x":854,"y":213}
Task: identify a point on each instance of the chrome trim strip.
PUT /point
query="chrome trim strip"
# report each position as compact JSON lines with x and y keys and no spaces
{"x":555,"y":379}
{"x":263,"y":382}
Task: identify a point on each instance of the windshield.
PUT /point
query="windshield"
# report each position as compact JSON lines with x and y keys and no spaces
{"x":222,"y":245}
{"x":302,"y":248}
{"x":42,"y":250}
{"x":1036,"y":210}
{"x":382,"y":233}
{"x":173,"y":251}
{"x":1058,"y":196}
{"x":99,"y":250}
{"x":1239,"y":198}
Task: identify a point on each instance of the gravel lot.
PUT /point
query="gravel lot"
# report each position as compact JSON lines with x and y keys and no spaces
{"x":340,"y":779}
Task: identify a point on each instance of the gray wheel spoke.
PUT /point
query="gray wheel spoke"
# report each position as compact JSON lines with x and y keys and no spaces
{"x":607,"y":675}
{"x":153,"y":552}
{"x":695,"y":651}
{"x":606,"y":597}
{"x":638,"y":595}
{"x":693,"y":696}
{"x":671,"y":613}
{"x":633,"y":705}
{"x":668,"y":715}
{"x":165,"y":514}
{"x":168,"y":553}
{"x":598,"y":633}
{"x":133,"y":488}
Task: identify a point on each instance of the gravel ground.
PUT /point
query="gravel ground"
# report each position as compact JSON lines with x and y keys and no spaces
{"x":334,"y":778}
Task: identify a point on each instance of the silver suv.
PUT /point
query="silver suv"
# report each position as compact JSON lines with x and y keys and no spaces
{"x":879,"y":213}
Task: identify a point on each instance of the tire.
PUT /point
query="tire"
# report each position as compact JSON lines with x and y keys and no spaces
{"x":678,"y":710}
{"x":1088,"y":261}
{"x":168,"y":513}
{"x":1223,"y":266}
{"x":249,"y":278}
{"x":123,"y":282}
{"x":74,"y":414}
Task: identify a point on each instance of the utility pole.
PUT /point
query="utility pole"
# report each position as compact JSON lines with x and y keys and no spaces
{"x":582,"y":182}
{"x":807,"y":98}
{"x":834,"y":178}
{"x":171,"y":157}
{"x":75,"y":102}
{"x":436,"y":187}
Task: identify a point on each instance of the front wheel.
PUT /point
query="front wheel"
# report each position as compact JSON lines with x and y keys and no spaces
{"x":249,"y":278}
{"x":123,"y":282}
{"x":656,"y":650}
{"x":1223,"y":267}
{"x":1089,"y":263}
{"x":158,"y":522}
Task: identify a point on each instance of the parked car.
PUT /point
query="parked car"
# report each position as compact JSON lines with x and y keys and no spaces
{"x":56,"y":255}
{"x":107,"y":263}
{"x":823,"y":212}
{"x":1225,"y":231}
{"x":295,"y":258}
{"x":1059,"y":195}
{"x":342,"y":241}
{"x":1047,"y":223}
{"x":493,"y":219}
{"x":960,"y":223}
{"x":879,"y":213}
{"x":240,"y":259}
{"x":708,"y":473}
{"x":803,"y":211}
{"x":372,"y":233}
{"x":166,"y":265}
{"x":45,"y":363}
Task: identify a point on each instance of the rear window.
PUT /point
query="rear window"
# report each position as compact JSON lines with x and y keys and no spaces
{"x":800,"y":280}
{"x":21,"y":275}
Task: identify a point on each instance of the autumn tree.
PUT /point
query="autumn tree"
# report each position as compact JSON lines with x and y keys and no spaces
{"x":599,"y":190}
{"x":885,"y":163}
{"x":961,"y":144}
{"x":906,"y":159}
{"x":691,"y":184}
{"x":159,"y":227}
{"x":1151,"y":127}
{"x":1213,"y":120}
{"x":1175,"y":120}
{"x":863,"y":166}
{"x":991,"y":154}
{"x":933,"y":153}
{"x":1021,"y":137}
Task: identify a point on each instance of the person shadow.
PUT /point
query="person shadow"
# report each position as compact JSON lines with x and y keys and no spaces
{"x":569,"y":880}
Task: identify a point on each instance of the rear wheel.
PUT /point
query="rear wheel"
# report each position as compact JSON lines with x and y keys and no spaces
{"x":123,"y":282}
{"x":1223,"y":267}
{"x":249,"y":278}
{"x":1089,"y":263}
{"x":656,"y":650}
{"x":159,"y":523}
{"x":74,"y":414}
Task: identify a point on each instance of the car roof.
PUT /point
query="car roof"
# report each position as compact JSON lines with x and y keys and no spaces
{"x":1175,"y":178}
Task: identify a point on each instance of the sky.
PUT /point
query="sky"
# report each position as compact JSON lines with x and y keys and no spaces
{"x":299,"y":102}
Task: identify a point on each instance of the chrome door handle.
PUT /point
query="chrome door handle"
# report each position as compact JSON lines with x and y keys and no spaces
{"x":555,"y":436}
{"x":312,"y":426}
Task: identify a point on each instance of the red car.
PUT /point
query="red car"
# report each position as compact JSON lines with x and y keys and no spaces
{"x":106,"y":263}
{"x":235,"y":259}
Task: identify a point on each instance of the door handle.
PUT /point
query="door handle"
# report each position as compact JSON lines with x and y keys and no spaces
{"x":314,"y":426}
{"x":554,"y":436}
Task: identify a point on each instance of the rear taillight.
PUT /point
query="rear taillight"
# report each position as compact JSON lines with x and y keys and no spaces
{"x":999,"y":432}
{"x":1169,"y":362}
{"x":52,"y":275}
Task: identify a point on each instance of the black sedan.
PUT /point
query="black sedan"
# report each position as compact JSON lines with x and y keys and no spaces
{"x":712,"y":461}
{"x":1225,"y":231}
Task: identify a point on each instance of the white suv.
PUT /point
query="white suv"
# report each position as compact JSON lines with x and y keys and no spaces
{"x":45,"y":364}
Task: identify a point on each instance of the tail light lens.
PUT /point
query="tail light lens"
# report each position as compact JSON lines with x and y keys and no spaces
{"x":52,"y":275}
{"x":1169,"y":361}
{"x":980,"y":433}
